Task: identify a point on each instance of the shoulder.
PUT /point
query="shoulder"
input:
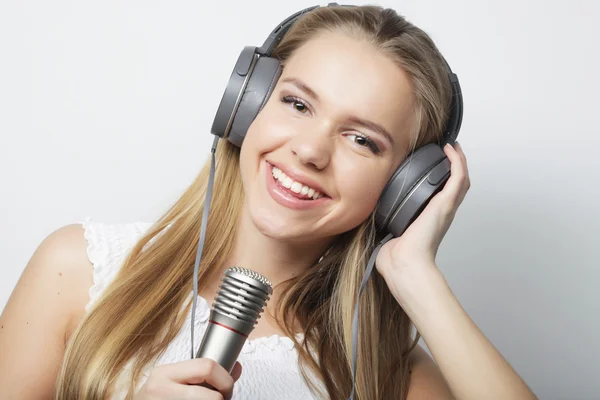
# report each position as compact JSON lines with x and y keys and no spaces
{"x":56,"y":278}
{"x":41,"y":311}
{"x":66,"y":247}
{"x":68,"y":270}
{"x":48,"y":303}
{"x":50,"y":299}
{"x":60,"y":267}
{"x":426,"y":380}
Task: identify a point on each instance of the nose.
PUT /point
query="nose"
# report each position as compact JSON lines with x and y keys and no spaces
{"x":313,"y":147}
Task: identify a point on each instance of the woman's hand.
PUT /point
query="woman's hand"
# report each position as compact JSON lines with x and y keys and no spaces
{"x":181,"y":381}
{"x":412,"y":255}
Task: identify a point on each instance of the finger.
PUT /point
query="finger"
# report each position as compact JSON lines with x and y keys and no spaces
{"x":458,"y":148}
{"x":463,"y":157}
{"x":200,"y":370}
{"x":236,"y":372}
{"x":457,"y":172}
{"x":181,"y":391}
{"x":455,"y":184}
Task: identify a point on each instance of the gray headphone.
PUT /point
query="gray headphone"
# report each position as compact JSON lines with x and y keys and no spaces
{"x":415,"y":181}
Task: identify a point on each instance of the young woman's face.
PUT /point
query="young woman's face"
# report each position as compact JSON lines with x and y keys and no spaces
{"x":320,"y":152}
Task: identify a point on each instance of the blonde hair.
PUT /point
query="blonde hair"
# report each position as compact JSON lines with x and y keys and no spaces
{"x":140,"y":313}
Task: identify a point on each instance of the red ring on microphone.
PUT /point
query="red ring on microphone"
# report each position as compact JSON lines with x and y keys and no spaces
{"x":228,"y":327}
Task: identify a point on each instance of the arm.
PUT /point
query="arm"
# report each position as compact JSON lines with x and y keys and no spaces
{"x":470,"y":364}
{"x":426,"y":380}
{"x":43,"y":310}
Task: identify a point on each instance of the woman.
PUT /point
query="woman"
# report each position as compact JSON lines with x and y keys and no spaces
{"x":296,"y":204}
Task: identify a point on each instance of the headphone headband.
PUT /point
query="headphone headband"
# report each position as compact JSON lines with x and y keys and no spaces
{"x":456,"y":108}
{"x":280,"y":30}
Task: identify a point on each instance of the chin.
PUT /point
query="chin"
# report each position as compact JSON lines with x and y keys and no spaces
{"x":280,"y":227}
{"x":276,"y":226}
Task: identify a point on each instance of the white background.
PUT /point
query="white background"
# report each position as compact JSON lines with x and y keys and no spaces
{"x":106,"y":107}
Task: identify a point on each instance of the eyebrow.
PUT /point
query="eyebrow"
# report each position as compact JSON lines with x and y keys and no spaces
{"x":355,"y":120}
{"x":372,"y":126}
{"x":302,"y":86}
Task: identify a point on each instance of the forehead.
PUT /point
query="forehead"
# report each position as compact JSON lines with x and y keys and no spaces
{"x":353,"y":78}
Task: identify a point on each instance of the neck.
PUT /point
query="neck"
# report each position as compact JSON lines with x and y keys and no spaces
{"x":277,"y":259}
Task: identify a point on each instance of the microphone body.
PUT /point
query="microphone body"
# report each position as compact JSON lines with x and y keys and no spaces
{"x":237,"y":307}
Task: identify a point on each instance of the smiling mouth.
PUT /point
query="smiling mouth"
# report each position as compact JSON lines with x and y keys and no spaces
{"x":297,"y":189}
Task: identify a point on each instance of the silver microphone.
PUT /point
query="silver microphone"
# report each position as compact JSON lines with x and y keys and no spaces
{"x":237,"y":307}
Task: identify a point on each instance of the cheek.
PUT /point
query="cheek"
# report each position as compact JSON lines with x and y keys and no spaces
{"x":262,"y":137}
{"x":360,"y":191}
{"x":246,"y":164}
{"x":252,"y":146}
{"x":266,"y":131}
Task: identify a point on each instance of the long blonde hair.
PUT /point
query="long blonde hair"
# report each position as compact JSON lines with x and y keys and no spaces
{"x":140,"y":313}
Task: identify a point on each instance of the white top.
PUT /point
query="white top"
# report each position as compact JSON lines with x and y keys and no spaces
{"x":269,"y":364}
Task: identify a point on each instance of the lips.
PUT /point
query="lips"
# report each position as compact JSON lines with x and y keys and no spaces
{"x":289,"y":196}
{"x":295,"y":188}
{"x":300,"y":184}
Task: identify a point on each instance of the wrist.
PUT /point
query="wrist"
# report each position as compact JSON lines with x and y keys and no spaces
{"x":423,"y":293}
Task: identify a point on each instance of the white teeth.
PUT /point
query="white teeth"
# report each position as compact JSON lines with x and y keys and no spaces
{"x":294,"y":186}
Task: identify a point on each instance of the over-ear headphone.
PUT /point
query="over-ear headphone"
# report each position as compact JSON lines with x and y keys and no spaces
{"x":415,"y":181}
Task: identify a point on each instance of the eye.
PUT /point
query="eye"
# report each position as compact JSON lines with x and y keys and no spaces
{"x":364,"y":141}
{"x":299,"y":104}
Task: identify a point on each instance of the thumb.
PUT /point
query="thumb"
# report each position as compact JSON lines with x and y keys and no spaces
{"x":236,"y":371}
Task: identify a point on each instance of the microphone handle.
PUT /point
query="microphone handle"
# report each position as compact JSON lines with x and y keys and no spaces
{"x":237,"y":307}
{"x":221,"y":344}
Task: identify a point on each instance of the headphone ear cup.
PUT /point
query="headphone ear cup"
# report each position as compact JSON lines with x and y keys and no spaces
{"x":260,"y":85}
{"x":235,"y":85}
{"x":420,"y":177}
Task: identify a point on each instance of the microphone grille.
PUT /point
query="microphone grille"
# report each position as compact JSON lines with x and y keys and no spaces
{"x":242,"y":295}
{"x":249,"y":273}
